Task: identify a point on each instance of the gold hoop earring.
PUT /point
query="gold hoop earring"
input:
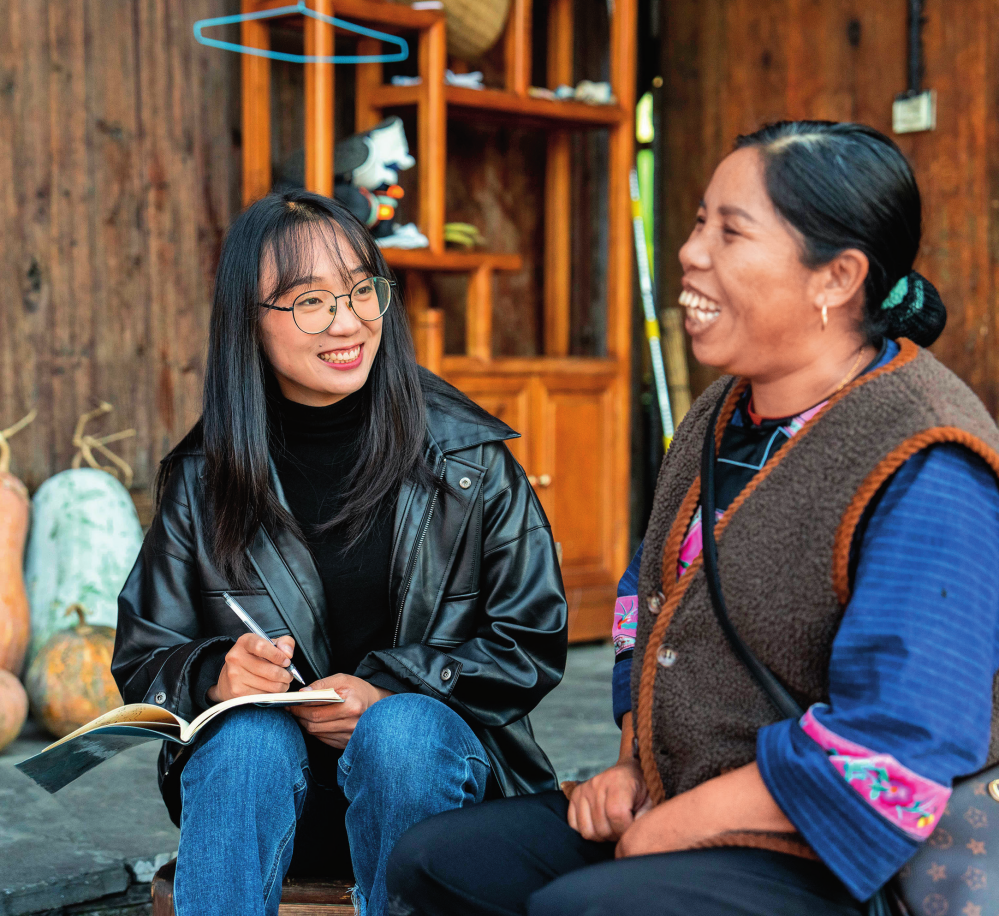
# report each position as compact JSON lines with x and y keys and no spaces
{"x":825,"y":316}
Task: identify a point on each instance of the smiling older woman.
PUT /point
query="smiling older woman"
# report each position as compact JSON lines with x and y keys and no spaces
{"x":857,"y":521}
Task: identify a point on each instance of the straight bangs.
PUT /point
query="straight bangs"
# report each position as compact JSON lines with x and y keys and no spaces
{"x":300,"y":232}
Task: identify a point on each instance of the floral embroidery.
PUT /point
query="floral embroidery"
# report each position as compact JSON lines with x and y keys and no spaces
{"x":794,"y":427}
{"x":625,"y":623}
{"x":908,"y":800}
{"x":693,"y":543}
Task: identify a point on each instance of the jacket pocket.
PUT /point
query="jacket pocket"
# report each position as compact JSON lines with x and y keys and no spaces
{"x":455,"y":622}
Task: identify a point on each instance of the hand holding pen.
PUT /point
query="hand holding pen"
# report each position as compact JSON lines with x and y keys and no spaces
{"x":256,"y":663}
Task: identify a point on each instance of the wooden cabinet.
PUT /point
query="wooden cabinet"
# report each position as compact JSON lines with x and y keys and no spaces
{"x":566,"y":411}
{"x":573,"y":412}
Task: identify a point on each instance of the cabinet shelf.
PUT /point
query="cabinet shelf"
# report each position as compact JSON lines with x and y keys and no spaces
{"x":449,"y":261}
{"x":499,"y":105}
{"x":573,"y":411}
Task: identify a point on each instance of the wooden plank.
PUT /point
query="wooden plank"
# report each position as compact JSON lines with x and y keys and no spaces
{"x":577,"y":366}
{"x":71,"y":328}
{"x":319,"y":137}
{"x":368,"y":78}
{"x":24,"y":103}
{"x":431,"y":129}
{"x":988,"y":389}
{"x":479,"y":314}
{"x":124,"y":355}
{"x":517,"y":46}
{"x":620,"y":157}
{"x":449,"y":261}
{"x":558,"y":189}
{"x":558,"y":241}
{"x":952,"y":167}
{"x":13,"y":322}
{"x":417,"y":303}
{"x":431,"y":334}
{"x":505,"y":107}
{"x":256,"y":100}
{"x":560,"y":36}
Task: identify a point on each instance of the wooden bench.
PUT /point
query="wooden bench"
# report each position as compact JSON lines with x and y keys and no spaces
{"x":299,"y":897}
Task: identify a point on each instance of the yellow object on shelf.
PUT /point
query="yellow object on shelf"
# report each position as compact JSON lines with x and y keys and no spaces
{"x":464,"y":234}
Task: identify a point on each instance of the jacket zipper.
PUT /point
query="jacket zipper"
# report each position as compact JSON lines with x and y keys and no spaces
{"x":416,"y":552}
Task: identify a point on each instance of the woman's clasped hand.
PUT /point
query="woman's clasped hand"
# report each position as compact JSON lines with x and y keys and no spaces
{"x":607,"y":806}
{"x":334,"y":723}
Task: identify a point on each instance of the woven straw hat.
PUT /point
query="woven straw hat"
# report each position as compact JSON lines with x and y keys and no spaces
{"x":473,"y":26}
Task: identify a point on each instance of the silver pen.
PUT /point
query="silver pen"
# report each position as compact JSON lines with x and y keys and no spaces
{"x":252,"y":625}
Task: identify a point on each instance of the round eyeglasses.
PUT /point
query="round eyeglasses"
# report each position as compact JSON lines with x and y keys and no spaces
{"x":314,"y":311}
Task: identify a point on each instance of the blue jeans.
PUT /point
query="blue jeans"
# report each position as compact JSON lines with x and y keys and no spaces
{"x":249,"y":780}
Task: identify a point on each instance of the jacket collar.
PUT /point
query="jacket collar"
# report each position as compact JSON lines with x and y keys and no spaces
{"x":454,"y":422}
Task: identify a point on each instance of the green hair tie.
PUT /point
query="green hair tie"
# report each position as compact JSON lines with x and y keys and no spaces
{"x":896,"y":295}
{"x":899,"y":292}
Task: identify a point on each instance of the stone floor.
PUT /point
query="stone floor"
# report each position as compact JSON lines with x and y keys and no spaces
{"x":94,"y":846}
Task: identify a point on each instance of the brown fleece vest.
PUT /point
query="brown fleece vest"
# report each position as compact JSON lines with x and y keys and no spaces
{"x":783,"y":556}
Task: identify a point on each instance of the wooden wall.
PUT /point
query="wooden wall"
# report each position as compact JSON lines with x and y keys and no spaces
{"x":733,"y":65}
{"x":119,"y":170}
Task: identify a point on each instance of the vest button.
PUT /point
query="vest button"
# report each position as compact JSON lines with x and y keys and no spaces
{"x":656,"y":602}
{"x":666,"y":657}
{"x":464,"y":483}
{"x":160,"y":698}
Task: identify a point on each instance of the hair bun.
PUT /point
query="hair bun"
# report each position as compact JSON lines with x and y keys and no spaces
{"x":915,"y":310}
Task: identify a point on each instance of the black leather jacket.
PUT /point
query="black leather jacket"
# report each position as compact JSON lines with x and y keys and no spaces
{"x":482,"y":618}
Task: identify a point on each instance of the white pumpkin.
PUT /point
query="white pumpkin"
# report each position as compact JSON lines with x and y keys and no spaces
{"x":85,"y":536}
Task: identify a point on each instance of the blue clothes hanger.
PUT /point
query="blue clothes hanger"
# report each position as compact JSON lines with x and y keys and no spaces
{"x":304,"y":10}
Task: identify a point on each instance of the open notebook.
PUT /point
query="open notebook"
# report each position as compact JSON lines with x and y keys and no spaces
{"x":62,"y":762}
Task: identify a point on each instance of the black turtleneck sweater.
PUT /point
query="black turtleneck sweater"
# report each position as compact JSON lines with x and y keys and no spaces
{"x":314,"y":449}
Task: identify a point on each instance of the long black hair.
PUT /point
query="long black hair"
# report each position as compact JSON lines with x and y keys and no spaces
{"x":843,"y":185}
{"x":235,"y":429}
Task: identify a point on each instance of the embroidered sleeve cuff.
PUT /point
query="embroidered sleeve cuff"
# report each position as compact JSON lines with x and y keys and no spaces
{"x":909,"y":801}
{"x":625,"y":624}
{"x":621,"y":689}
{"x":854,"y":840}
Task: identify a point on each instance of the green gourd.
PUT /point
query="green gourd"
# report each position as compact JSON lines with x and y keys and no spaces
{"x":85,"y":536}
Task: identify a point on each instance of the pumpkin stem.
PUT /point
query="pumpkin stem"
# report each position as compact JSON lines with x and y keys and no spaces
{"x":7,"y":433}
{"x":80,"y":612}
{"x":88,"y":444}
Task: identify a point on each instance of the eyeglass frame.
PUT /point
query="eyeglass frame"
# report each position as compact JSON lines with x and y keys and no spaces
{"x":336,"y":299}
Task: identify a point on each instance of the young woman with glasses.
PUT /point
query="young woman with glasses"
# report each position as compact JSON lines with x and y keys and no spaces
{"x":369,"y":517}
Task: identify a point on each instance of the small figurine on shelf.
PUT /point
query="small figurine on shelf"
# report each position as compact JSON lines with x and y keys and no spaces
{"x":367,"y":167}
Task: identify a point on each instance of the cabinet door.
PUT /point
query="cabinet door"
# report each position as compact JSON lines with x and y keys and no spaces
{"x":507,"y":398}
{"x":573,"y":437}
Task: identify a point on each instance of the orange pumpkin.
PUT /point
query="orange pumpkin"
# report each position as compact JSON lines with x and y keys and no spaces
{"x":13,"y":708}
{"x":15,"y":616}
{"x":69,"y":681}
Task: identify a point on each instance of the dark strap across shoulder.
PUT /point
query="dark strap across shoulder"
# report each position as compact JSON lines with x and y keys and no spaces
{"x":785,"y":703}
{"x":788,"y":707}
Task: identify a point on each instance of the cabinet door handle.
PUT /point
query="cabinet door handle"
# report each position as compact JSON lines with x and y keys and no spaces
{"x":542,"y":481}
